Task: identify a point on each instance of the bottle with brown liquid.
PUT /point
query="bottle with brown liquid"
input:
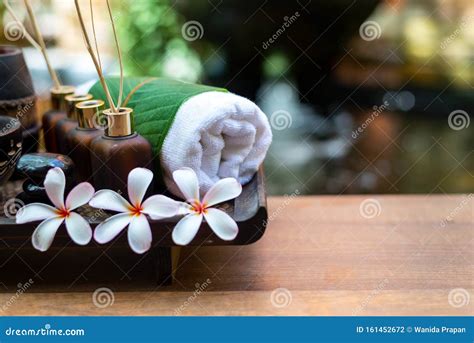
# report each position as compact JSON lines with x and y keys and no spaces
{"x":65,"y":125}
{"x":52,"y":117}
{"x":118,"y":151}
{"x":79,"y":139}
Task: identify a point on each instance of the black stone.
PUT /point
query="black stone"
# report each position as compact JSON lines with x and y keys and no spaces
{"x":37,"y":192}
{"x":35,"y":166}
{"x":28,"y":199}
{"x":33,"y":189}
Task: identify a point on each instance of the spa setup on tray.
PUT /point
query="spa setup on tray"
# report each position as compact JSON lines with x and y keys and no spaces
{"x":171,"y":163}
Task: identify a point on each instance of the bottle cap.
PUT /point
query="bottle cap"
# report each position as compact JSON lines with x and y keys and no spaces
{"x":89,"y":114}
{"x":58,"y":95}
{"x":119,"y":124}
{"x":72,"y":100}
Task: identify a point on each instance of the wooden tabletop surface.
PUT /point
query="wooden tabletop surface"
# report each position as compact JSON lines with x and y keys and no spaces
{"x":321,"y":255}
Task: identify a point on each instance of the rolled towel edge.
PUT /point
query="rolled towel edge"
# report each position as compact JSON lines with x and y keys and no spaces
{"x":203,"y":114}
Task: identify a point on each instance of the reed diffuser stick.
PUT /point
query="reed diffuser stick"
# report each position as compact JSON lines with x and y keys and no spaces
{"x":39,"y":42}
{"x":119,"y":53}
{"x":18,"y":21}
{"x":96,"y":55}
{"x":95,"y":36}
{"x":94,"y":58}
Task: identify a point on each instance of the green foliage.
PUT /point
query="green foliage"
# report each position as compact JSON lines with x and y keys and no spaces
{"x":150,"y":34}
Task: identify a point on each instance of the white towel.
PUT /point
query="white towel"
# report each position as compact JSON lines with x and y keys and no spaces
{"x":218,"y":135}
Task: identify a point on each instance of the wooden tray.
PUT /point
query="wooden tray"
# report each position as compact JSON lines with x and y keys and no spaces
{"x":249,"y":210}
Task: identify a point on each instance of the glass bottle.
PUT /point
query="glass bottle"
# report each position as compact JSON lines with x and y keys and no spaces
{"x":79,"y":139}
{"x":65,"y":125}
{"x":118,"y":151}
{"x":58,"y":111}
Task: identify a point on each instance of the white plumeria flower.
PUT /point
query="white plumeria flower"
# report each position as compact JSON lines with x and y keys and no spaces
{"x":133,"y":213}
{"x":77,"y":227}
{"x":195,"y":209}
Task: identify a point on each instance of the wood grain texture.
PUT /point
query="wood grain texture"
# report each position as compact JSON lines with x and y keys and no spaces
{"x":331,"y":260}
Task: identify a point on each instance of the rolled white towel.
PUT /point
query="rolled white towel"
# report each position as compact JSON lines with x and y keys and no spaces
{"x":218,"y":135}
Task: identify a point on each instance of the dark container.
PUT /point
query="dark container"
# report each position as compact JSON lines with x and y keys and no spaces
{"x":66,"y":125}
{"x":118,"y":151}
{"x":58,"y":111}
{"x":80,"y":138}
{"x":17,"y":95}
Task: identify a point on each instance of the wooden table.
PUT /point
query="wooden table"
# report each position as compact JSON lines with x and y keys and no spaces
{"x":320,"y":255}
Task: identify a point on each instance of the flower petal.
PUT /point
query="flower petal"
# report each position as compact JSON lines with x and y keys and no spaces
{"x":78,"y":228}
{"x":223,"y":190}
{"x":160,"y":206}
{"x":186,"y":229}
{"x":188,"y":183}
{"x":111,"y":227}
{"x":185,"y":208}
{"x":54,"y":184}
{"x":109,"y":200}
{"x":139,"y":234}
{"x":34,"y":212}
{"x":222,"y":224}
{"x":138,"y":181}
{"x":43,"y":236}
{"x":79,"y":195}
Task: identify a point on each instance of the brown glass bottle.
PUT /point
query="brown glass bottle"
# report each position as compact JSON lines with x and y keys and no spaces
{"x":65,"y":125}
{"x":58,"y":111}
{"x":80,"y":138}
{"x":118,"y":151}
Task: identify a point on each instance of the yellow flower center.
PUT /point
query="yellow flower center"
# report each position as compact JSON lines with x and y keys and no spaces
{"x":63,"y":212}
{"x":199,"y":207}
{"x":136,"y":210}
